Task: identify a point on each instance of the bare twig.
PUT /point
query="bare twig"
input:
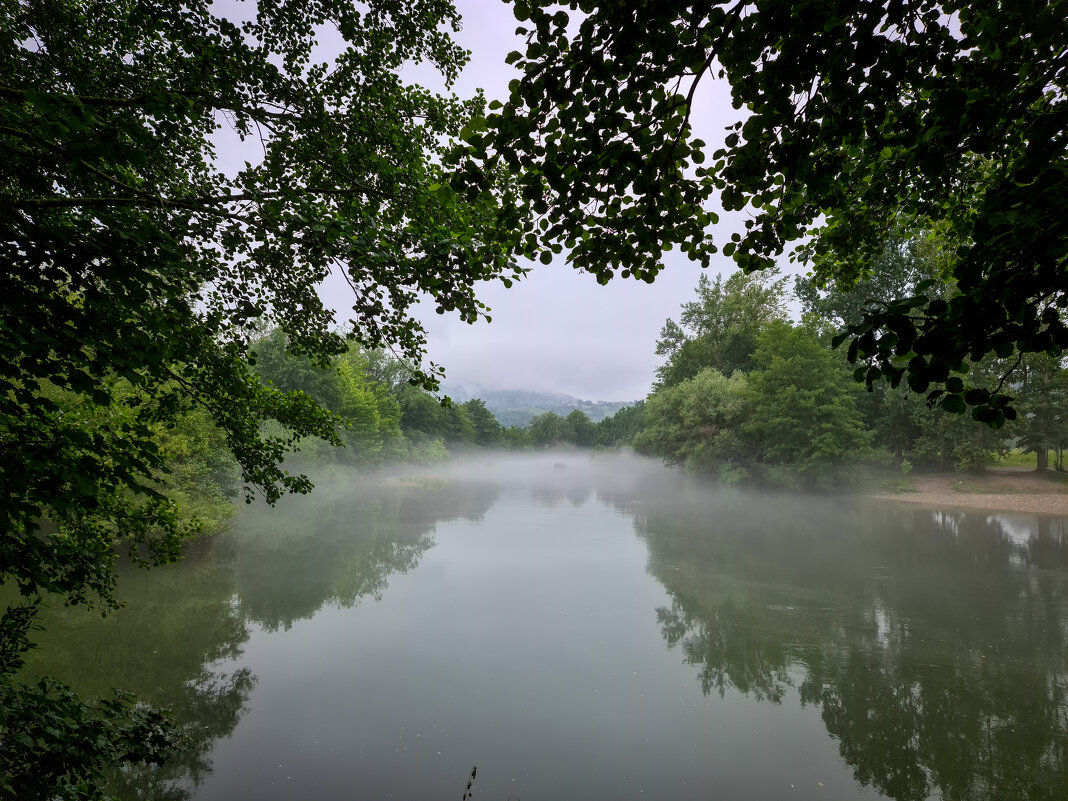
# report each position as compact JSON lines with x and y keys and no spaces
{"x":469,"y":793}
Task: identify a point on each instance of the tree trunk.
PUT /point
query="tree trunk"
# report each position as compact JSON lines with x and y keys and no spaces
{"x":1043,"y":458}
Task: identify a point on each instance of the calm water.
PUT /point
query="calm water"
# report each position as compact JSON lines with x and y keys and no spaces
{"x":604,"y":629}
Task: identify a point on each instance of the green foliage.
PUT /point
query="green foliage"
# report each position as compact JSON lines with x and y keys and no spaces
{"x":425,"y":417}
{"x":1042,"y":389}
{"x":55,"y":746}
{"x":136,"y":273}
{"x":429,"y":451}
{"x":719,"y":329}
{"x":948,"y":115}
{"x":802,"y":416}
{"x":791,"y":416}
{"x":384,"y":417}
{"x":907,"y":260}
{"x":371,"y":412}
{"x":488,"y":431}
{"x":621,"y":428}
{"x":201,"y":476}
{"x":548,"y":429}
{"x":901,"y":418}
{"x":697,"y":423}
{"x":516,"y":437}
{"x":580,"y":429}
{"x":367,"y":410}
{"x":803,"y":402}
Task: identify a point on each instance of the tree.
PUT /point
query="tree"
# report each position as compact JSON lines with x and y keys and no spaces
{"x":802,"y":404}
{"x":547,"y":429}
{"x":697,"y":423}
{"x":132,"y":258}
{"x":907,"y":260}
{"x":580,"y":429}
{"x":855,"y":116}
{"x":369,"y":409}
{"x":720,"y":328}
{"x":1043,"y":423}
{"x":457,"y":426}
{"x":487,"y":429}
{"x":516,"y":437}
{"x":621,"y":428}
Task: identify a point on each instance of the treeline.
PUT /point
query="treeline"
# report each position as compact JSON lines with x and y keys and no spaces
{"x":385,"y":418}
{"x":379,"y":418}
{"x":745,"y":393}
{"x":550,"y":430}
{"x":382,"y":416}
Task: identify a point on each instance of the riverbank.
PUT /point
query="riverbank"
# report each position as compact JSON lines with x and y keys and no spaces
{"x":1001,"y":489}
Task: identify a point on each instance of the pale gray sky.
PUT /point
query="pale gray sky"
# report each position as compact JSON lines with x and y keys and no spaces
{"x":558,"y":330}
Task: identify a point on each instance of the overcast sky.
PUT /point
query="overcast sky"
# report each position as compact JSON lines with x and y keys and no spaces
{"x":558,"y":330}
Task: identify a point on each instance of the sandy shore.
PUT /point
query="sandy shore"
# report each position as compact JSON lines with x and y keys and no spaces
{"x":1003,"y":489}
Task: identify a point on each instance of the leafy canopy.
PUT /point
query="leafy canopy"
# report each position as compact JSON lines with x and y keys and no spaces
{"x":136,"y":269}
{"x":854,"y":117}
{"x":130,"y":253}
{"x":719,"y":329}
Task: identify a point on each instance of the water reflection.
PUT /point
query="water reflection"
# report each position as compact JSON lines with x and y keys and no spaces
{"x":932,"y":642}
{"x":175,"y":641}
{"x":929,"y":646}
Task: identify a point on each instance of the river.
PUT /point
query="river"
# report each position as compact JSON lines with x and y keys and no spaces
{"x":593,"y":628}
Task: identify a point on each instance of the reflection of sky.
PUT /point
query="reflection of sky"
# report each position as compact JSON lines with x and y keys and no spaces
{"x":525,"y":643}
{"x":608,"y":629}
{"x":1019,"y":528}
{"x":946,"y":520}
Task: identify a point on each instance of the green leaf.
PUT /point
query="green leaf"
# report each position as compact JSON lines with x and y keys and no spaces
{"x":954,"y":404}
{"x":1004,"y":349}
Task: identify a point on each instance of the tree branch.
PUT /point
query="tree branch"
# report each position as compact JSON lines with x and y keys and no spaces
{"x":193,"y":203}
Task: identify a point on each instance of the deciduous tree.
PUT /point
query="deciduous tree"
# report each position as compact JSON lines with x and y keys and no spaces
{"x":803,"y":407}
{"x":853,"y":117}
{"x":719,"y":329}
{"x":130,"y":253}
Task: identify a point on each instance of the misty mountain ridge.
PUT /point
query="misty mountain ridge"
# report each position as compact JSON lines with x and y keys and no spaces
{"x":515,"y":407}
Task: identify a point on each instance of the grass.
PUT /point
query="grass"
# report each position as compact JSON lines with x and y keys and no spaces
{"x":1015,"y":458}
{"x":975,"y":487}
{"x":895,"y":484}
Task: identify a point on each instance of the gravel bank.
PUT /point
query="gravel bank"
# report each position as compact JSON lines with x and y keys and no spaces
{"x":1004,"y":489}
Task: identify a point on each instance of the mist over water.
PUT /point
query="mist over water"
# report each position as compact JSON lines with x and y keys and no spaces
{"x":586,"y":626}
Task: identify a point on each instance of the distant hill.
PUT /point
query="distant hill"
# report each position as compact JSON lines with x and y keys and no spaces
{"x":515,"y":407}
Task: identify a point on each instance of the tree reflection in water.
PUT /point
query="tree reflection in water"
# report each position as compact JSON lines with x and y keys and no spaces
{"x":176,"y":641}
{"x":933,"y":643}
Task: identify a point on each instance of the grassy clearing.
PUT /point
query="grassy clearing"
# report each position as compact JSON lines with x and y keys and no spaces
{"x":1016,"y":458}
